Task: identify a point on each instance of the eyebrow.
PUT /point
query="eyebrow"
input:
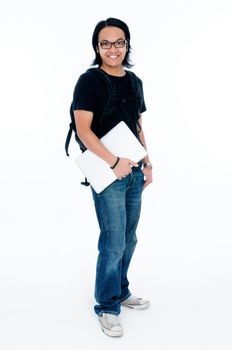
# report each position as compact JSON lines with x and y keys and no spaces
{"x":113,"y":41}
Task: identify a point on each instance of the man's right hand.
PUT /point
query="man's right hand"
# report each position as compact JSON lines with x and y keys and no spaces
{"x":123,"y":168}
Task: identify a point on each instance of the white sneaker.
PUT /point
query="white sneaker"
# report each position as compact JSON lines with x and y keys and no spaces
{"x":136,"y":303}
{"x":110,"y":324}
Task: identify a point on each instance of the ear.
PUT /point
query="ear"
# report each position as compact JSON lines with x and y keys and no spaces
{"x":97,"y":49}
{"x":127,"y":48}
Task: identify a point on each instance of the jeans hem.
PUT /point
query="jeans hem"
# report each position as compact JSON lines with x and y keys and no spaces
{"x":107,"y":312}
{"x":127,"y":296}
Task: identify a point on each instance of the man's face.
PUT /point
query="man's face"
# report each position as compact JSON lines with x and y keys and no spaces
{"x":112,"y":47}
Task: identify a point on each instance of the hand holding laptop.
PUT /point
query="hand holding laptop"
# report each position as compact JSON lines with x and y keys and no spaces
{"x":124,"y":167}
{"x":120,"y":141}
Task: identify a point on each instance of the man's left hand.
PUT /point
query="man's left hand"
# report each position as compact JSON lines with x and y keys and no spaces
{"x":147,"y":176}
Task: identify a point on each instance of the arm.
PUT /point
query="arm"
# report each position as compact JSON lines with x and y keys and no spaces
{"x":147,"y":171}
{"x":83,"y":120}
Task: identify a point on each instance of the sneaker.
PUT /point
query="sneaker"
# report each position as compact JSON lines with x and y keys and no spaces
{"x":110,"y":324}
{"x":136,"y":303}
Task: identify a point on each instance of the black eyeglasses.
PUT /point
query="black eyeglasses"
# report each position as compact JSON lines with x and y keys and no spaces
{"x":118,"y":44}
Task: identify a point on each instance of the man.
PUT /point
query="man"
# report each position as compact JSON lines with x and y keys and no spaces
{"x":118,"y":206}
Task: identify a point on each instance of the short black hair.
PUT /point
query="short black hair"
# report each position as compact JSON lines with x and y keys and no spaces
{"x":113,"y":22}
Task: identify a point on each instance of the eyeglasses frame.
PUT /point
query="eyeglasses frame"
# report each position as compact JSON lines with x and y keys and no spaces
{"x":112,"y":43}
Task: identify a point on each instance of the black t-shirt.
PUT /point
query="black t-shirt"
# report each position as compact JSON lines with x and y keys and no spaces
{"x":91,"y":94}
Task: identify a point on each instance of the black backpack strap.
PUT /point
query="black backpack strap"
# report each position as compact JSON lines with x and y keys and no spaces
{"x":72,"y":128}
{"x":137,"y":97}
{"x":111,"y":89}
{"x":85,"y":183}
{"x":137,"y":93}
{"x":68,"y":138}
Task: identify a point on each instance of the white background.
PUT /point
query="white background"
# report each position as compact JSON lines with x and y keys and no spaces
{"x":48,"y":248}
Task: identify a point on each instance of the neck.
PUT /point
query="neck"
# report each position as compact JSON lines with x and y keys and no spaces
{"x":116,"y":71}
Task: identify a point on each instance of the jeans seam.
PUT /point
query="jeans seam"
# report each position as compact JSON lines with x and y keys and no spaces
{"x":104,"y":228}
{"x":132,"y":181}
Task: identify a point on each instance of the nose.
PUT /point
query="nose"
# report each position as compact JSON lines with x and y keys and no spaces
{"x":113,"y":49}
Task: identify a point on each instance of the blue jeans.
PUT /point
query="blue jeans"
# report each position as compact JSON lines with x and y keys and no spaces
{"x":118,"y":211}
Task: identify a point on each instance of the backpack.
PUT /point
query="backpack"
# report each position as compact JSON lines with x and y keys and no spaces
{"x":110,"y":104}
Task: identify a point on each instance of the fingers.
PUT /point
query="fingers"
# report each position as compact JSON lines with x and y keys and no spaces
{"x":124,"y":168}
{"x":132,"y":163}
{"x":122,"y":177}
{"x":147,"y":182}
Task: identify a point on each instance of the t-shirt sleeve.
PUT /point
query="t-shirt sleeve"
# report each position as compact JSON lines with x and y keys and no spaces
{"x":84,"y":96}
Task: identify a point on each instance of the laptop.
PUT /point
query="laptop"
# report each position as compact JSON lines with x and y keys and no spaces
{"x":120,"y":141}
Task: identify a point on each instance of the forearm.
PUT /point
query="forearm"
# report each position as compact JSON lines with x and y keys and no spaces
{"x":147,"y":170}
{"x":83,"y":120}
{"x":92,"y":142}
{"x":142,"y":138}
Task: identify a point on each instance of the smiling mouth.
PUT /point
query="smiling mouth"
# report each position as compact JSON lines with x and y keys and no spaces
{"x":113,"y":56}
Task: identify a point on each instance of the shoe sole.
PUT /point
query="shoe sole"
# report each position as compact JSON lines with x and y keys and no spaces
{"x":137,"y":307}
{"x":111,"y":333}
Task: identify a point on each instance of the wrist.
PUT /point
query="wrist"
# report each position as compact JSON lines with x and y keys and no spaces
{"x":115,"y":163}
{"x":111,"y":160}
